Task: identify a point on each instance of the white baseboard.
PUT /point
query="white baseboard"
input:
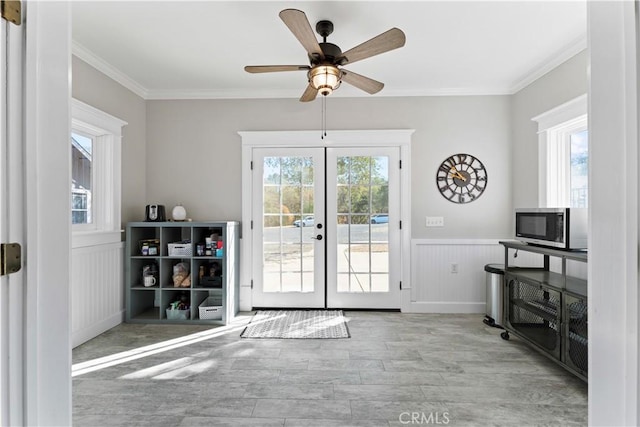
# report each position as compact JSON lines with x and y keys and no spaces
{"x":96,"y":329}
{"x":448,"y":307}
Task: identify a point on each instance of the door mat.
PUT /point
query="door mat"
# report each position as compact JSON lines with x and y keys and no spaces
{"x":301,"y":324}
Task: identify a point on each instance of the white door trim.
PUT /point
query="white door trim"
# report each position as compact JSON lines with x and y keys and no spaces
{"x":614,"y":213}
{"x":11,"y":223}
{"x":346,"y":138}
{"x":47,"y":124}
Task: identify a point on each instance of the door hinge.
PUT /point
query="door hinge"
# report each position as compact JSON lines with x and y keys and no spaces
{"x":251,"y":283}
{"x":252,"y":224}
{"x":400,"y":164}
{"x":401,"y":285}
{"x":11,"y":11}
{"x":400,"y":225}
{"x":251,"y":164}
{"x":10,"y":258}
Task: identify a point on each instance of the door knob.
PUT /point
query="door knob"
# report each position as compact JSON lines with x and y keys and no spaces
{"x":318,"y":237}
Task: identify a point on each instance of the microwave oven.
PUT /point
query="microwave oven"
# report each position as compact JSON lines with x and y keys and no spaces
{"x":561,"y":228}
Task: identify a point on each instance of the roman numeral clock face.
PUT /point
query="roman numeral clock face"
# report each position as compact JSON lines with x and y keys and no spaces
{"x":461,"y":178}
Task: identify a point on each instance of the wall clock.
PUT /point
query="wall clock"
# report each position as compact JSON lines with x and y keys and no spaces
{"x":461,"y":178}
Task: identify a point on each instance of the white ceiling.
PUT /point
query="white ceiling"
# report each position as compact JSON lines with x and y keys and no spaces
{"x":184,"y":49}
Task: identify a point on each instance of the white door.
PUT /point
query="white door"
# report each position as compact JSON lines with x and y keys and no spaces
{"x":363,"y":227}
{"x":11,"y":225}
{"x":344,"y":253}
{"x":288,"y":227}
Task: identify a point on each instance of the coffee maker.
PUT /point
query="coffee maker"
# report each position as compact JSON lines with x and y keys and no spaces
{"x":155,"y":213}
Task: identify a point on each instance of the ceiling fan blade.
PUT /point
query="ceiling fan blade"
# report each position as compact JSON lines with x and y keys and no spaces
{"x":274,"y":68}
{"x":389,"y":40}
{"x":309,"y":94}
{"x":361,"y":82}
{"x":299,"y":25}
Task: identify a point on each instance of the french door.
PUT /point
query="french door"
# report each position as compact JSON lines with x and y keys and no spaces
{"x":288,"y":256}
{"x":363,"y":246}
{"x":326,"y":227}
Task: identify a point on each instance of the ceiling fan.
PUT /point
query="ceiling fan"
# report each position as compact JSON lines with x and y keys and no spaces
{"x":326,"y":59}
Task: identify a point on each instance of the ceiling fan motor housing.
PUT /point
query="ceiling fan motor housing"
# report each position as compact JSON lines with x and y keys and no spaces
{"x":332,"y":54}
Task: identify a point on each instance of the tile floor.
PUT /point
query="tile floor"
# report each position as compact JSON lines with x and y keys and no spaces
{"x":395,"y":370}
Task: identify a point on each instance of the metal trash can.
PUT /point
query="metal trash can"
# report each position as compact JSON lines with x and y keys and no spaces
{"x":495,"y":292}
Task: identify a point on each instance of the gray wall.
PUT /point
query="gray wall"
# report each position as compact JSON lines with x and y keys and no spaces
{"x":94,"y":88}
{"x":189,"y":152}
{"x":194,"y":151}
{"x":564,"y":83}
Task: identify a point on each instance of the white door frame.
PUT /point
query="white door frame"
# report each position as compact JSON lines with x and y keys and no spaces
{"x":11,"y":222}
{"x":35,"y":327}
{"x":614,"y":213}
{"x":349,"y":138}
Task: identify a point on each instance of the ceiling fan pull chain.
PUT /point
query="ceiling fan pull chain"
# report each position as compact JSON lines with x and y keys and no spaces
{"x":324,"y":117}
{"x":324,"y":114}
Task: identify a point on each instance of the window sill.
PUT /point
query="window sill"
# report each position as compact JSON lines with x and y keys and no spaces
{"x":82,"y":239}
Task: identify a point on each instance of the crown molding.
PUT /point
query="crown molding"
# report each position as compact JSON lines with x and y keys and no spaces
{"x":285,"y":94}
{"x":551,"y":62}
{"x":107,"y":69}
{"x":104,"y":67}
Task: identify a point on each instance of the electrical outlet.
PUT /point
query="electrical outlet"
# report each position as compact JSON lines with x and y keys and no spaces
{"x":454,"y":268}
{"x":434,"y":221}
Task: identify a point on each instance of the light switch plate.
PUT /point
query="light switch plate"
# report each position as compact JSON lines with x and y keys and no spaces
{"x":435,"y":221}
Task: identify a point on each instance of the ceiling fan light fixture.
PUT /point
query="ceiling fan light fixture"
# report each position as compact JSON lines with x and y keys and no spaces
{"x":325,"y":78}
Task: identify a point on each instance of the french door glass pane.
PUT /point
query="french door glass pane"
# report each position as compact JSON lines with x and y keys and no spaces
{"x":288,"y":206}
{"x":362,"y":224}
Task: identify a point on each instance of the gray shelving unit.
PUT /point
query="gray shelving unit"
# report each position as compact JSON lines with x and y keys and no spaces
{"x":546,"y":309}
{"x":149,"y":304}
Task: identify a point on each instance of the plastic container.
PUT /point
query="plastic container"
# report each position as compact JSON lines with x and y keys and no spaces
{"x":178,"y":314}
{"x":210,"y":309}
{"x":183,"y":249}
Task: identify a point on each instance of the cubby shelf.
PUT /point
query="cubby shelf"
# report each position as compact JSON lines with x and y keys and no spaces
{"x":148,"y":304}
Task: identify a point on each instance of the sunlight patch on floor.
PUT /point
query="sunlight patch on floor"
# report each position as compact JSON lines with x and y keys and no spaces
{"x":148,"y":350}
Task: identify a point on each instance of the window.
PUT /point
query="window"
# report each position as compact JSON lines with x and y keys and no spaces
{"x":81,"y":179}
{"x":95,"y":175}
{"x":563,"y":162}
{"x":579,"y":154}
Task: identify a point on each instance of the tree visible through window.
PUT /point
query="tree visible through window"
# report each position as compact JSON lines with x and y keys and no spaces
{"x":81,"y":179}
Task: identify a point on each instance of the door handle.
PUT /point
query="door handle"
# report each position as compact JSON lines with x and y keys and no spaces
{"x":318,"y":237}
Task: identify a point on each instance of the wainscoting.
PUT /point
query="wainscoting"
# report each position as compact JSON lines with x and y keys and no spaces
{"x":97,"y":295}
{"x":436,"y":288}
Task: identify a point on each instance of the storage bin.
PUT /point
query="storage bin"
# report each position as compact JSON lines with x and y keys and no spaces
{"x":210,"y":310}
{"x":211,"y":282}
{"x":183,"y":249}
{"x":178,"y":314}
